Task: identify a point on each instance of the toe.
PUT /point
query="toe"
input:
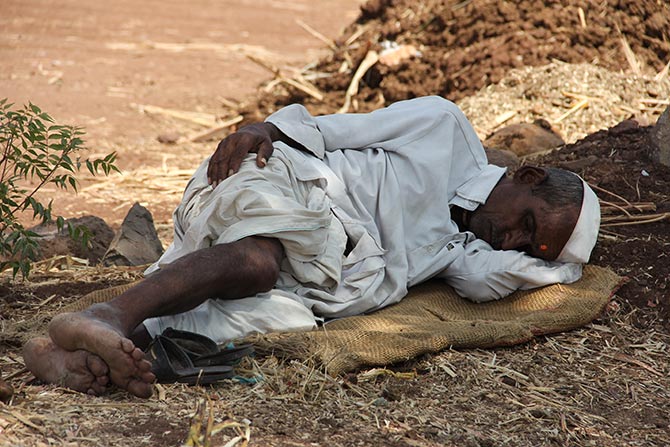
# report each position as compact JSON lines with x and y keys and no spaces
{"x":96,"y":389}
{"x":137,"y":354}
{"x":144,"y":365}
{"x":97,"y":366}
{"x":102,"y":380}
{"x":148,"y":377}
{"x":127,"y":346}
{"x":140,"y":389}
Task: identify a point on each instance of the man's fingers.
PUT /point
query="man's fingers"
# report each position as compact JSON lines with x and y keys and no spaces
{"x":232,"y":150}
{"x":265,"y":150}
{"x":236,"y":161}
{"x":217,"y":170}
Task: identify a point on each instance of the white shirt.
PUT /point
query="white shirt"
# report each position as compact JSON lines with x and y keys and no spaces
{"x":392,"y":176}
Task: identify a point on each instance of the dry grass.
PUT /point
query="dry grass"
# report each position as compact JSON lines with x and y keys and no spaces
{"x":606,"y":384}
{"x":577,"y":99}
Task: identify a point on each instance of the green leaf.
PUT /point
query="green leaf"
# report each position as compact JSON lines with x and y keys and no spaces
{"x":34,"y":147}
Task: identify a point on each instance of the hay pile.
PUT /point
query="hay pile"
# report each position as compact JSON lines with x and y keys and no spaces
{"x":576,"y":99}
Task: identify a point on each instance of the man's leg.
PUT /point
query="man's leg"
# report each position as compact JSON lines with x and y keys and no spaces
{"x":226,"y":271}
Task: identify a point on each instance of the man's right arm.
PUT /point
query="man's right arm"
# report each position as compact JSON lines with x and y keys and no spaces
{"x":483,"y":274}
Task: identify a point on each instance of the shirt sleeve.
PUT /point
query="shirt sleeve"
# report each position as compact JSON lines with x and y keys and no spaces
{"x":483,"y":274}
{"x":390,"y":128}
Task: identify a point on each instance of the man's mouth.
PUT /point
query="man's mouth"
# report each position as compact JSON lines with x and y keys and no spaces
{"x":494,"y":237}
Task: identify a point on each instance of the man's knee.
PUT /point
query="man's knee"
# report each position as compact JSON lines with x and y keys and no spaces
{"x":263,"y":258}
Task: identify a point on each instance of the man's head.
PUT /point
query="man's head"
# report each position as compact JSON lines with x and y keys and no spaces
{"x":538,"y":211}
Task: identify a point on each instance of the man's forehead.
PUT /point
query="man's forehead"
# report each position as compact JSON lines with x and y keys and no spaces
{"x":553,"y":229}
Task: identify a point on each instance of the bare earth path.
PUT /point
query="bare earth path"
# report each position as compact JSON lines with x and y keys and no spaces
{"x":90,"y":63}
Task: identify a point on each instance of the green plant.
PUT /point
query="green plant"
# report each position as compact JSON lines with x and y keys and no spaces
{"x":35,"y":151}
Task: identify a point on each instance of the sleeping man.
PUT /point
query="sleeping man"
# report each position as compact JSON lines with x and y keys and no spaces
{"x":301,"y":218}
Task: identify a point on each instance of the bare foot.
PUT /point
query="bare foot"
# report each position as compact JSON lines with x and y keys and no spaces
{"x":77,"y":370}
{"x":96,"y":330}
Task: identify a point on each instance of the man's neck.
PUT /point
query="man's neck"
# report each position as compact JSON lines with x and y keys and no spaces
{"x":459,"y":215}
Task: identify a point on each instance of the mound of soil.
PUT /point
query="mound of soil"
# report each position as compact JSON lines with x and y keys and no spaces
{"x":467,"y":45}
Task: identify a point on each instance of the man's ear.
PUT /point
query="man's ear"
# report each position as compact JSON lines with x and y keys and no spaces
{"x":530,"y":175}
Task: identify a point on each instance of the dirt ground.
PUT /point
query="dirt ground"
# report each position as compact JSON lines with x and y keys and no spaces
{"x":94,"y":65}
{"x":603,"y":385}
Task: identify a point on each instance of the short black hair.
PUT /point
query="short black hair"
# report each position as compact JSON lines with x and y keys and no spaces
{"x":560,"y":188}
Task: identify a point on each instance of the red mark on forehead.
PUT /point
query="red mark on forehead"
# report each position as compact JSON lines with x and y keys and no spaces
{"x":543,"y":247}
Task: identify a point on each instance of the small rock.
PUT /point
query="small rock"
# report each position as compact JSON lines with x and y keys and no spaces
{"x":625,"y":126}
{"x":53,"y":242}
{"x":380,"y":402}
{"x":525,"y":138}
{"x":653,"y":91}
{"x":136,"y":242}
{"x":502,"y":158}
{"x":168,"y":138}
{"x":394,"y":54}
{"x":660,"y":139}
{"x":6,"y":391}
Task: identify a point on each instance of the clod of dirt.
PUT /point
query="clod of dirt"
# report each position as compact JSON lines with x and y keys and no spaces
{"x":660,"y":137}
{"x":53,"y":242}
{"x":503,"y":158}
{"x":168,"y":137}
{"x":525,"y":138}
{"x":373,"y":8}
{"x":6,"y":391}
{"x":136,"y":242}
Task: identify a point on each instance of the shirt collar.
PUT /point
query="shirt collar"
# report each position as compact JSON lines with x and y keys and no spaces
{"x":475,"y":191}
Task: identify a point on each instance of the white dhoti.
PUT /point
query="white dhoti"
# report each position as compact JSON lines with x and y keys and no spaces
{"x":269,"y":202}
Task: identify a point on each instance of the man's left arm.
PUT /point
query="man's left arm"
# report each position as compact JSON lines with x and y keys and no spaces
{"x":483,"y":274}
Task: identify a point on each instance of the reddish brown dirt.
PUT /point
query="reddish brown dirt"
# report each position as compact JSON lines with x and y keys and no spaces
{"x":87,"y":63}
{"x":91,"y":64}
{"x":468,"y":45}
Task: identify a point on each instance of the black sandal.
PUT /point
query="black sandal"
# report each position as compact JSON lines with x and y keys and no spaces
{"x":170,"y":363}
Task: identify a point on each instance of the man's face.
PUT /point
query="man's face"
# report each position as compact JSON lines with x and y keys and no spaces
{"x":514,"y":219}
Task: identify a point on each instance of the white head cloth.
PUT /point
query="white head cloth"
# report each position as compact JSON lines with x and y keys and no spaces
{"x":584,"y":236}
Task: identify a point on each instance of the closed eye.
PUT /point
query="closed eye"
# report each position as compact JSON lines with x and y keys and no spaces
{"x":529,"y":224}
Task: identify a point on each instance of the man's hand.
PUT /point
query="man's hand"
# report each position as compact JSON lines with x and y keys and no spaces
{"x":231,"y":151}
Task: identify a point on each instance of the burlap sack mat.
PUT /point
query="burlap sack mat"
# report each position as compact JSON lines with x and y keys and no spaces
{"x":433,"y":317}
